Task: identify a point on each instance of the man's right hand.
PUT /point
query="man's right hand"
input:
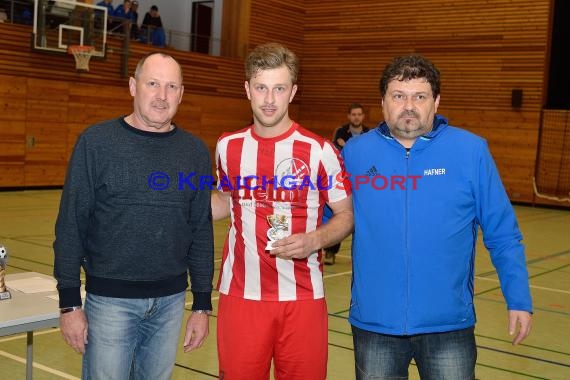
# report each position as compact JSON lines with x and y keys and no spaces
{"x":220,"y":205}
{"x":73,"y":327}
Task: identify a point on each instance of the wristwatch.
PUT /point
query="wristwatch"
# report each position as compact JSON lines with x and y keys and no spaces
{"x":207,"y":312}
{"x":64,"y":310}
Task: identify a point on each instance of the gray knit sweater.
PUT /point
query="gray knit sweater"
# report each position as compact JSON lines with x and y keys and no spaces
{"x":133,"y":239}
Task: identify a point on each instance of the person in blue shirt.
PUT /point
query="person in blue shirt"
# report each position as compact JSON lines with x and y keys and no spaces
{"x":421,"y":191}
{"x":123,"y":10}
{"x":99,"y":14}
{"x":120,"y":15}
{"x":107,"y":4}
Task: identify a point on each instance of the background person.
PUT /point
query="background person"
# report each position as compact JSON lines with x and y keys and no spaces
{"x":272,"y":303}
{"x":135,"y":30}
{"x":414,"y":244}
{"x":342,"y":134}
{"x":354,"y":127}
{"x":107,"y":4}
{"x":136,"y":243}
{"x":152,"y":29}
{"x":99,"y":14}
{"x":121,"y":13}
{"x":123,"y":10}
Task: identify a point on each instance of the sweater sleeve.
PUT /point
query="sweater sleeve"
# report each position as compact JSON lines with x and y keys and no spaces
{"x":336,"y":135}
{"x":201,"y":255}
{"x":501,"y":234}
{"x":146,"y":19}
{"x":71,"y":225}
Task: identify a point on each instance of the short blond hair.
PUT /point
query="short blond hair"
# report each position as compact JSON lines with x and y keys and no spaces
{"x":271,"y":56}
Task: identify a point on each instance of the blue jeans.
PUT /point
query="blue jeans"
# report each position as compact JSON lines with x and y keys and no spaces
{"x":132,"y":338}
{"x":438,"y":356}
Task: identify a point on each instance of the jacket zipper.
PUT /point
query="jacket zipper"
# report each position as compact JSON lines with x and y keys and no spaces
{"x":407,"y":245}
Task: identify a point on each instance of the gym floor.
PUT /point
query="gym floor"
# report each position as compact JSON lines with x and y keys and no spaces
{"x":27,"y":229}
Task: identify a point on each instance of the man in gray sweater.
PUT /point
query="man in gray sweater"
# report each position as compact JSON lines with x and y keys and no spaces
{"x":134,"y":216}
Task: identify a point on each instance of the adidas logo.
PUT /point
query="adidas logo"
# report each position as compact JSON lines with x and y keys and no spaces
{"x":372,"y":171}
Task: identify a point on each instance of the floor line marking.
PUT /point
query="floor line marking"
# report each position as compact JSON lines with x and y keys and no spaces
{"x":39,"y":366}
{"x":532,"y":261}
{"x":336,"y":274}
{"x":24,"y":335}
{"x":523,"y":356}
{"x":531,"y":286}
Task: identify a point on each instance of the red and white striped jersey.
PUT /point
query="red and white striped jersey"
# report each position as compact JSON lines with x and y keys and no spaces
{"x":278,"y":187}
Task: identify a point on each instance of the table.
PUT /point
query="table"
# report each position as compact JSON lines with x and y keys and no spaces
{"x":26,"y":312}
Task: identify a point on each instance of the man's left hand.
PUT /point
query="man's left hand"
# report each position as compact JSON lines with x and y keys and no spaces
{"x":521,"y":320}
{"x":196,"y":331}
{"x":297,"y":246}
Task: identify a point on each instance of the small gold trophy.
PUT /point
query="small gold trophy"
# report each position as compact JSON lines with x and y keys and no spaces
{"x":279,"y":229}
{"x":4,"y":293}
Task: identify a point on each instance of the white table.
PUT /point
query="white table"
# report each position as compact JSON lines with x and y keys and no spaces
{"x":26,"y":312}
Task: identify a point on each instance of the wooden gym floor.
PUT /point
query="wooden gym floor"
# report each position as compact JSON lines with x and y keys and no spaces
{"x":26,"y":228}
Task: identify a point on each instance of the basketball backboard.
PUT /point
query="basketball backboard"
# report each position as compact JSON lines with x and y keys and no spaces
{"x":62,"y":23}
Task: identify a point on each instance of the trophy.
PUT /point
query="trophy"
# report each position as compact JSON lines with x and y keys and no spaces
{"x":279,"y":229}
{"x":4,"y":293}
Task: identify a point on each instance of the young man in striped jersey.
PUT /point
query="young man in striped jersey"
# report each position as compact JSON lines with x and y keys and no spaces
{"x":274,"y":179}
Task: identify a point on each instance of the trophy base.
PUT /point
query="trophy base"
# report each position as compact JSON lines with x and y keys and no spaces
{"x":5,"y":295}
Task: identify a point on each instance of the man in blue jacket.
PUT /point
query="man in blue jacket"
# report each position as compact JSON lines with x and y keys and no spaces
{"x":421,"y":189}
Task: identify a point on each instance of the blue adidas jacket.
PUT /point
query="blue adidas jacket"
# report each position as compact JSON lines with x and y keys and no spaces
{"x":417,"y":215}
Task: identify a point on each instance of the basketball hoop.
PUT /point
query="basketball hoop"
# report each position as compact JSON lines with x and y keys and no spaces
{"x":82,"y":54}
